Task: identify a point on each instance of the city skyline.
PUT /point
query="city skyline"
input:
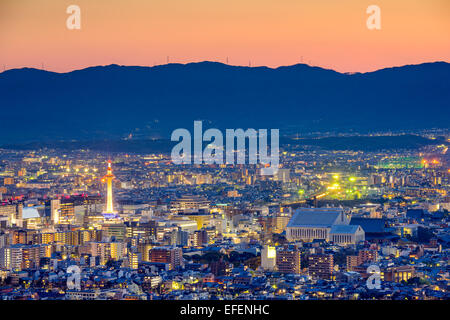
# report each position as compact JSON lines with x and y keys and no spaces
{"x":328,"y":225}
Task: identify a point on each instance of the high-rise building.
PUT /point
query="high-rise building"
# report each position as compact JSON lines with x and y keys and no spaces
{"x":13,"y":212}
{"x":114,"y":231}
{"x":268,"y":257}
{"x":17,"y":257}
{"x":352,"y":262}
{"x":288,"y":260}
{"x":117,"y":250}
{"x":144,"y":250}
{"x":200,"y":238}
{"x":67,"y":211}
{"x":179,"y":237}
{"x":367,"y":255}
{"x":20,"y":237}
{"x":321,"y":266}
{"x":133,"y":260}
{"x":11,"y":258}
{"x":171,"y":256}
{"x":107,"y":251}
{"x":8,"y":181}
{"x":55,"y":210}
{"x":280,"y":222}
{"x":362,"y":257}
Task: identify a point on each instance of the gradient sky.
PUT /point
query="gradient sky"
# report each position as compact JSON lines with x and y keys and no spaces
{"x":326,"y":33}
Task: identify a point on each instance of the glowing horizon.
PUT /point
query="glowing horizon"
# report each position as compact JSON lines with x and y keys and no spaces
{"x":327,"y":34}
{"x":231,"y":65}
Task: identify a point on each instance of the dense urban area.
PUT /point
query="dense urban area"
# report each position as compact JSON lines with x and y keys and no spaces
{"x":328,"y":225}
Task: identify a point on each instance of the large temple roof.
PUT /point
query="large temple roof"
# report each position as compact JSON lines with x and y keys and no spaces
{"x":326,"y":217}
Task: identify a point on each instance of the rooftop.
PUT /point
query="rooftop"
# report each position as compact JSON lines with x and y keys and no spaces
{"x":324,"y":217}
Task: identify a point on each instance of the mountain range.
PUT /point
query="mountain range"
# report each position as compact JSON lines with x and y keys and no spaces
{"x":132,"y":102}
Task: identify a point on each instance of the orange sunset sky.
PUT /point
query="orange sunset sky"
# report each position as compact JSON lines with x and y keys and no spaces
{"x":326,"y":33}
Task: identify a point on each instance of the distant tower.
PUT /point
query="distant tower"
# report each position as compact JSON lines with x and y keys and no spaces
{"x":109,"y":177}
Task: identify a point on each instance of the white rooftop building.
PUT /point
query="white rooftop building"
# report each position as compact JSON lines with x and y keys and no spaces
{"x":329,"y":224}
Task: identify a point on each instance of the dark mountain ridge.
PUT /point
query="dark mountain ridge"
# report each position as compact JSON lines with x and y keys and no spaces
{"x":106,"y":102}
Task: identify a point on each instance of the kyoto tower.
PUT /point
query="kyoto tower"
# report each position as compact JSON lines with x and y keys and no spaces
{"x":109,"y":177}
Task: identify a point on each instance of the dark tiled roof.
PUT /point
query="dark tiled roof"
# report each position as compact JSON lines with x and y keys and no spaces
{"x":316,"y":217}
{"x":370,"y":225}
{"x":341,"y":229}
{"x":415,"y":213}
